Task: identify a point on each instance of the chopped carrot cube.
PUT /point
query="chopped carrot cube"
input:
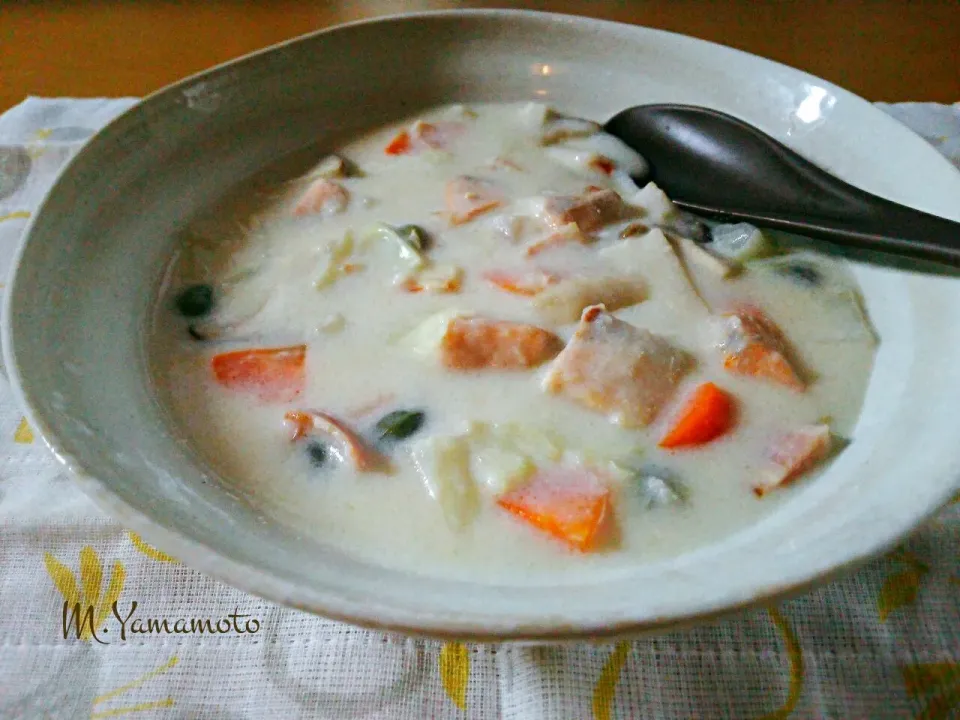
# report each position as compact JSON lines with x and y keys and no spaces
{"x":400,"y":144}
{"x":794,"y":454}
{"x":708,"y":414}
{"x":569,"y":233}
{"x":526,"y":283}
{"x":603,"y":164}
{"x":753,"y":345}
{"x":572,"y":505}
{"x":272,"y":374}
{"x":472,"y":343}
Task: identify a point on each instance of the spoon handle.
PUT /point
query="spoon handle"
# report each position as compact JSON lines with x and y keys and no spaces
{"x":873,"y":223}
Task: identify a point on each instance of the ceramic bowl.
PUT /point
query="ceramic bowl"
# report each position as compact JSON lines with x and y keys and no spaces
{"x":95,"y":251}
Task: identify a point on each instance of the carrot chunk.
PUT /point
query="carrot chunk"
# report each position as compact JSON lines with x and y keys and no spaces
{"x":753,"y":345}
{"x":794,"y":454}
{"x":527,"y":284}
{"x":473,"y":343}
{"x":400,"y":145}
{"x":350,"y":445}
{"x":572,"y":505}
{"x":707,"y":415}
{"x":272,"y":374}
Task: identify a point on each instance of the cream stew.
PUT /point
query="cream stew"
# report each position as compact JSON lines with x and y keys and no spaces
{"x":469,"y":346}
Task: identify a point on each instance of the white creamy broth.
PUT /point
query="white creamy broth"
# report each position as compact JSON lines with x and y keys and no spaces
{"x":536,"y":452}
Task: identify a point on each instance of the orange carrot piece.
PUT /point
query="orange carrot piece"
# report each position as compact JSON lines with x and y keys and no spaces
{"x":755,"y":346}
{"x":364,"y":458}
{"x":474,"y":343}
{"x":526,"y":284}
{"x":400,"y":144}
{"x":272,"y":374}
{"x":467,"y":197}
{"x":437,"y":135}
{"x":572,"y":505}
{"x":707,"y":415}
{"x":794,"y":454}
{"x":569,"y":233}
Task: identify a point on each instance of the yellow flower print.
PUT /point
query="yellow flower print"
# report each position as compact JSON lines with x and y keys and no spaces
{"x":87,"y":594}
{"x":938,"y":683}
{"x":23,"y":433}
{"x":149,"y":550}
{"x":795,"y":654}
{"x":900,"y":588}
{"x":140,"y":707}
{"x":603,"y":691}
{"x":454,"y":666}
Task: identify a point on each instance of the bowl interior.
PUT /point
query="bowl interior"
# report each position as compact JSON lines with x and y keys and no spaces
{"x":80,"y":298}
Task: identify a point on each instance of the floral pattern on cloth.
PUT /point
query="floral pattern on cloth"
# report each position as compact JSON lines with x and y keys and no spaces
{"x":158,"y":640}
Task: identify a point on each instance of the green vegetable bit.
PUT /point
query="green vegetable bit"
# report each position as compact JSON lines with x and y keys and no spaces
{"x":195,"y":301}
{"x":400,"y":424}
{"x":658,"y":487}
{"x":317,"y":452}
{"x":414,"y":236}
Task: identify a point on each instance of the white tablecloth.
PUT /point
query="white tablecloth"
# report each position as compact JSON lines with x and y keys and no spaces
{"x":883,"y":643}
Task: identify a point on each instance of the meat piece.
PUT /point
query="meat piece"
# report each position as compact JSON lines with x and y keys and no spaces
{"x":590,"y":212}
{"x":614,"y":368}
{"x":322,"y":196}
{"x":753,"y":345}
{"x":794,"y":454}
{"x":467,"y":197}
{"x":564,"y":301}
{"x":474,"y":343}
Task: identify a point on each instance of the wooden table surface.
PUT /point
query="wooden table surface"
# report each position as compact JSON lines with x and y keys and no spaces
{"x":881,"y":49}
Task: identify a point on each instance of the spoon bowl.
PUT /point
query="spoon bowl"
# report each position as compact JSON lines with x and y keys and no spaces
{"x":716,"y":165}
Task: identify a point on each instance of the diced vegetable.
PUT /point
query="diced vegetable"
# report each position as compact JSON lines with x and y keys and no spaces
{"x":570,"y":504}
{"x":564,"y":301}
{"x":612,"y":367}
{"x":590,"y":212}
{"x":414,"y":236}
{"x":599,"y":153}
{"x":659,"y":208}
{"x":558,"y":127}
{"x":347,"y":444}
{"x":526,"y":283}
{"x":468,"y":197}
{"x":654,"y":257}
{"x":512,"y":228}
{"x":443,"y":463}
{"x":695,"y":254}
{"x":434,"y":278}
{"x":657,"y":487}
{"x":400,"y":144}
{"x":333,"y":261}
{"x":195,"y":301}
{"x":503,"y":456}
{"x":272,"y":374}
{"x":408,"y":239}
{"x":475,"y":343}
{"x":794,"y":454}
{"x":322,"y":196}
{"x":707,"y":414}
{"x":741,"y":242}
{"x":753,"y":345}
{"x":400,"y":424}
{"x":499,"y":466}
{"x":687,"y":226}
